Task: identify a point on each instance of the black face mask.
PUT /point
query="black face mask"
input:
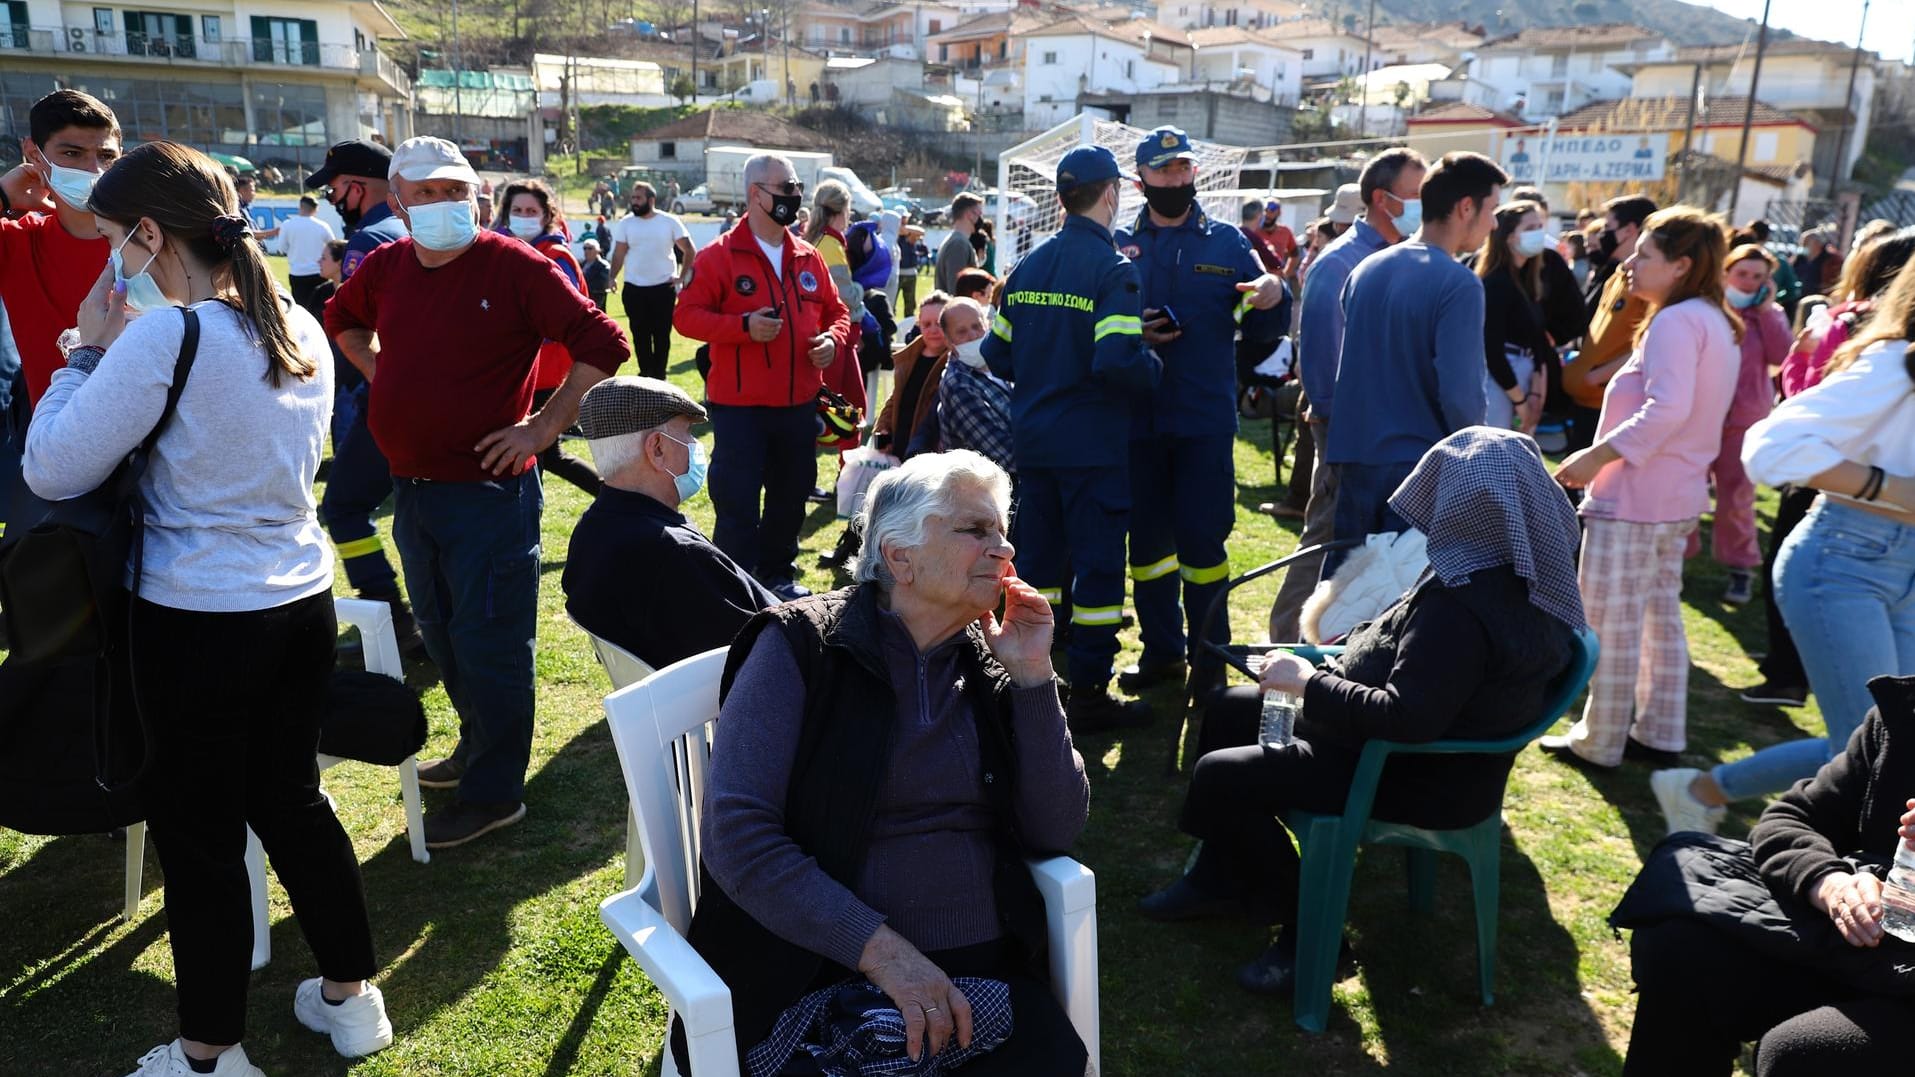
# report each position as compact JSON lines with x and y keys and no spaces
{"x":1607,"y":243}
{"x":1170,"y":201}
{"x":349,"y":217}
{"x":784,"y":207}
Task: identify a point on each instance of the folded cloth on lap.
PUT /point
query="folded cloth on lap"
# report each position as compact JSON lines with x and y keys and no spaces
{"x":851,"y":1029}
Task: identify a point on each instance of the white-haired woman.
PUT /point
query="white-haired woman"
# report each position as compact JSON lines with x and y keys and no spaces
{"x":864,"y":838}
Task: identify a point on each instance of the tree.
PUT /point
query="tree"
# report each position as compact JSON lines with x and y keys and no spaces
{"x":1402,"y":94}
{"x":682,"y":88}
{"x":668,"y":15}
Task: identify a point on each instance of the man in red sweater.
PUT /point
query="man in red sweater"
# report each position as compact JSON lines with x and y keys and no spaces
{"x":51,"y":254}
{"x":446,"y":324}
{"x":764,"y":301}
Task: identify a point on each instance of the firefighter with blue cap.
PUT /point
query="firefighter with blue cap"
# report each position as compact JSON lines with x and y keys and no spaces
{"x":1068,"y":335}
{"x":1201,"y":283}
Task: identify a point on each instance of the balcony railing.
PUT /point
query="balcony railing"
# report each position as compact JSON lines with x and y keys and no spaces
{"x":190,"y":49}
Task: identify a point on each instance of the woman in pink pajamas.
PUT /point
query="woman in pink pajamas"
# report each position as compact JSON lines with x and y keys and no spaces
{"x":1765,"y":343}
{"x":1647,"y":482}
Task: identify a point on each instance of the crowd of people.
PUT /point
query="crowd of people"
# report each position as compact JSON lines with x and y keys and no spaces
{"x":858,"y":847}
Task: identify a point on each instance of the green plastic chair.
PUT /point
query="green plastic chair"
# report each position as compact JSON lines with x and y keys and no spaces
{"x":1328,"y":844}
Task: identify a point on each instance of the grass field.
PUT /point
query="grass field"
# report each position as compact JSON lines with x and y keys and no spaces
{"x":495,"y":962}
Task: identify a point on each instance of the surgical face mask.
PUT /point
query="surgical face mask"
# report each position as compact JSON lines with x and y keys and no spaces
{"x":1407,"y":222}
{"x":443,"y":226}
{"x":1742,"y":300}
{"x":1170,"y":202}
{"x":971,"y":353}
{"x":693,"y":480}
{"x":527,"y":228}
{"x":141,"y":290}
{"x":73,"y":185}
{"x":1532,"y":243}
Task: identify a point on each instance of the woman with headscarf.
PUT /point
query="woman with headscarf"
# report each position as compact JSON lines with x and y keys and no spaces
{"x":1469,"y":652}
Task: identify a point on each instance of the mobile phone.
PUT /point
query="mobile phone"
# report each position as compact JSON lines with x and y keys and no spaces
{"x":1172,"y":325}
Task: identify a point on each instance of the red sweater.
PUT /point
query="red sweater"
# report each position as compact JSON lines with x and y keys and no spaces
{"x":732,"y":278}
{"x":44,"y":274}
{"x":459,"y":346}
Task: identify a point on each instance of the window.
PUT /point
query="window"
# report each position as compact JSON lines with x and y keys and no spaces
{"x":1766,"y":144}
{"x":285,"y":41}
{"x":1050,"y":58}
{"x":157,"y":33}
{"x":1559,"y":65}
{"x":209,"y":27}
{"x":103,"y":20}
{"x":944,"y":54}
{"x":937,"y":25}
{"x":289,"y":115}
{"x":1130,"y":69}
{"x":1230,"y":17}
{"x":844,"y":35}
{"x":1309,"y":54}
{"x":13,"y":24}
{"x":668,"y":150}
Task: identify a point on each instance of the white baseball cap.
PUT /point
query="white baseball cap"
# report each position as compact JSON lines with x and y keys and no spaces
{"x":427,"y":158}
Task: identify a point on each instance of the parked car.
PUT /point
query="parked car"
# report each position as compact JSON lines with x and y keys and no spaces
{"x":898,"y":200}
{"x":1022,"y":208}
{"x":696,"y":200}
{"x":932,"y":210}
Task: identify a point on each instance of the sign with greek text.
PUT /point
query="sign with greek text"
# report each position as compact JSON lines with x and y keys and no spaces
{"x":1586,"y":158}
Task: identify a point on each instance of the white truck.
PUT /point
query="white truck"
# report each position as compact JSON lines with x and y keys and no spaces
{"x":725,"y":177}
{"x":725,"y":172}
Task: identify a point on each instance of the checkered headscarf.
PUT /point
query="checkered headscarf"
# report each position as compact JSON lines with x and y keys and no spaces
{"x":1484,"y":499}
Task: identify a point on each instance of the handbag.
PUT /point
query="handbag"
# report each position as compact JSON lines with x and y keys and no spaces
{"x":63,"y":563}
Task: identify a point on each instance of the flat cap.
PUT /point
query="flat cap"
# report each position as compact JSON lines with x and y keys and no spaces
{"x":626,"y":405}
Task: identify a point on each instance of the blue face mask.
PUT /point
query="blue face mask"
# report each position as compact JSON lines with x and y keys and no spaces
{"x":693,"y":480}
{"x":526,"y":228}
{"x":141,"y":291}
{"x":1411,"y":219}
{"x":443,"y":226}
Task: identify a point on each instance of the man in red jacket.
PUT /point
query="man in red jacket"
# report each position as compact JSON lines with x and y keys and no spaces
{"x":764,"y":301}
{"x":446,"y":324}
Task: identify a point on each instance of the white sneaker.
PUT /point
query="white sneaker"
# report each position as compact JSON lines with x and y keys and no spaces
{"x":1680,"y":808}
{"x":168,"y":1060}
{"x":358,"y":1026}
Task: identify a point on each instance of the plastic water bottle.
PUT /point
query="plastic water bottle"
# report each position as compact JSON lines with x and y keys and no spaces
{"x":1278,"y":726}
{"x":1898,"y":894}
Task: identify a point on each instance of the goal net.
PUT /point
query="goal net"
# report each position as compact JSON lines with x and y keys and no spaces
{"x":1026,"y":212}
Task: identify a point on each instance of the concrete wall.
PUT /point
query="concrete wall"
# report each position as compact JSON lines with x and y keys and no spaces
{"x":1234,"y":121}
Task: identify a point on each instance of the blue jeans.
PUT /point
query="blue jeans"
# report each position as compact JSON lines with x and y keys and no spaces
{"x":471,"y":553}
{"x":774,"y":450}
{"x":1363,"y":505}
{"x":1846,"y":583}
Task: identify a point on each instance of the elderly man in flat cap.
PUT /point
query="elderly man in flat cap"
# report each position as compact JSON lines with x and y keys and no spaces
{"x":638,"y":573}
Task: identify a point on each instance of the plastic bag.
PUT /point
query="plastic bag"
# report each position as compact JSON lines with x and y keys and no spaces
{"x":856,"y":470}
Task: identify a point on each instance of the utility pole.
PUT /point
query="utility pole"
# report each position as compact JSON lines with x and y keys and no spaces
{"x":1748,"y":111}
{"x":458,"y":84}
{"x":1848,"y":109}
{"x":694,"y":45}
{"x":1689,"y":136}
{"x":1363,"y":92}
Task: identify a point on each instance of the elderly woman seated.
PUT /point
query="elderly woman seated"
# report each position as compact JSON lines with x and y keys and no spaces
{"x":1783,"y":940}
{"x":887,"y":757}
{"x":1470,"y":652}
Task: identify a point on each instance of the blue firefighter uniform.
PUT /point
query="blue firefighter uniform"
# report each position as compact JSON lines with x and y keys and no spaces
{"x":1069,"y":336}
{"x":1182,"y":469}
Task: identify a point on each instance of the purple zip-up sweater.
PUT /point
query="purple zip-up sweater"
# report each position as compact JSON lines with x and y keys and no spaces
{"x":932,"y":856}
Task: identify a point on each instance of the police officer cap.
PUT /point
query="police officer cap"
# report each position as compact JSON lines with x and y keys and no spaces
{"x":1087,"y":164}
{"x":1164,"y":145}
{"x":353,"y":157}
{"x":626,"y":405}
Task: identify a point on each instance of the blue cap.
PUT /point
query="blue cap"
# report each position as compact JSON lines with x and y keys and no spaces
{"x":1087,"y":164}
{"x":1164,"y":145}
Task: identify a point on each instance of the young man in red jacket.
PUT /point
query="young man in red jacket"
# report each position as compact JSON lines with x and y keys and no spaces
{"x":446,"y":324}
{"x":764,"y":301}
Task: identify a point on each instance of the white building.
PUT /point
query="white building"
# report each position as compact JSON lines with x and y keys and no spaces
{"x":1423,"y":43}
{"x":1230,"y":53}
{"x":1077,"y":55}
{"x":1328,"y":51}
{"x":275,"y":81}
{"x":595,"y":80}
{"x":1249,"y":14}
{"x":1548,"y":71}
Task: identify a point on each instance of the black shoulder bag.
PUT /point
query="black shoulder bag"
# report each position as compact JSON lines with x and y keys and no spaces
{"x":63,"y":563}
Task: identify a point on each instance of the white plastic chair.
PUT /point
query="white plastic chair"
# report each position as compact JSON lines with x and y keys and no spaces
{"x":624,"y":668}
{"x":381,"y":648}
{"x":662,"y":728}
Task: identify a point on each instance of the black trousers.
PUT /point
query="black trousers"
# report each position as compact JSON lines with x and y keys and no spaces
{"x":1702,"y":994}
{"x":1043,"y":1041}
{"x":1783,"y":665}
{"x":1581,"y":431}
{"x":1237,"y":795}
{"x":554,"y":460}
{"x":234,"y":701}
{"x":650,"y":311}
{"x":304,"y":286}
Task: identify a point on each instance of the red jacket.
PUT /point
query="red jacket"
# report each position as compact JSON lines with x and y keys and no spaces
{"x":732,"y":278}
{"x":555,"y":362}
